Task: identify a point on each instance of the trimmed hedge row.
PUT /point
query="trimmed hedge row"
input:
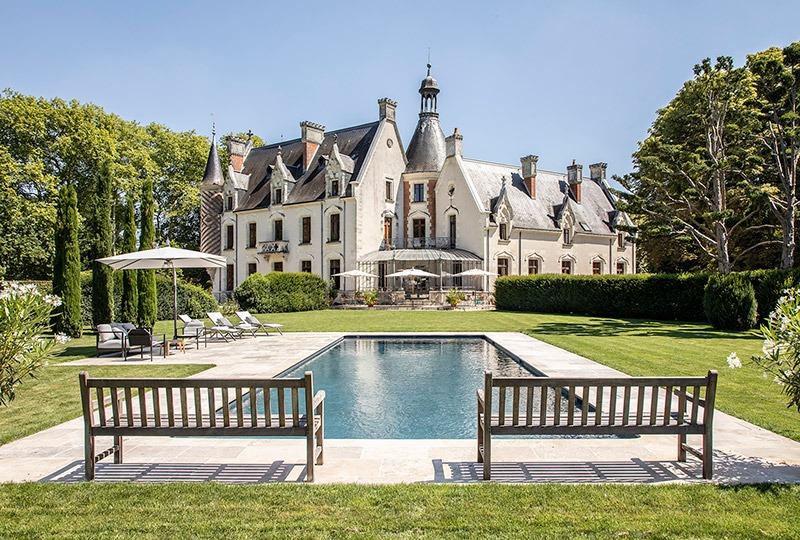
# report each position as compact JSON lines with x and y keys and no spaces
{"x":280,"y":292}
{"x":646,"y":296}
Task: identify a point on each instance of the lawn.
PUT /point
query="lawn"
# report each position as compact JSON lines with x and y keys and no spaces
{"x":427,"y":511}
{"x":407,"y":511}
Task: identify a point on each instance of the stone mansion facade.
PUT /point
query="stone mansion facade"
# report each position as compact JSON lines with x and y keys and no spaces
{"x":355,"y":198}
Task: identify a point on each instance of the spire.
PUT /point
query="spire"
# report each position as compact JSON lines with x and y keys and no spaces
{"x":212,"y":178}
{"x":427,"y":149}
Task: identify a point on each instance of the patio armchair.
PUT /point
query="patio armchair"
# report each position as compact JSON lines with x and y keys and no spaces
{"x":223,"y":327}
{"x":142,"y":338}
{"x":249,"y":319}
{"x":110,"y":340}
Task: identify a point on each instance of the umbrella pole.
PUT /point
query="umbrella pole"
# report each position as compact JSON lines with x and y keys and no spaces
{"x":174,"y":302}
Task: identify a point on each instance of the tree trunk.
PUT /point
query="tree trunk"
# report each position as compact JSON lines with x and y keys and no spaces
{"x":723,"y":257}
{"x":787,"y":255}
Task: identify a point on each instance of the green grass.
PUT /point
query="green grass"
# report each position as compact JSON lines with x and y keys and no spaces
{"x":405,"y":511}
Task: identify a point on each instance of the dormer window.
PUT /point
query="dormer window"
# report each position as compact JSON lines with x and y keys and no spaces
{"x":277,"y":197}
{"x":229,"y":203}
{"x":334,"y":187}
{"x":621,"y":240}
{"x":567,"y":234}
{"x":504,"y":231}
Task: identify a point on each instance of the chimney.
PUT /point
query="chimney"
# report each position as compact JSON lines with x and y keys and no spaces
{"x":236,"y":151}
{"x":311,"y":136}
{"x":597,"y":172}
{"x":386,"y":109}
{"x":529,"y":173}
{"x":453,"y":144}
{"x":575,"y":177}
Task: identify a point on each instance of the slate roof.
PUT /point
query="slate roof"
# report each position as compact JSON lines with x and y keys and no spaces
{"x":426,"y":151}
{"x":596,"y":212}
{"x":213,"y":173}
{"x":353,"y":143}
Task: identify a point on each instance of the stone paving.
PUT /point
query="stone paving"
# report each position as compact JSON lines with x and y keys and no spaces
{"x":743,"y":452}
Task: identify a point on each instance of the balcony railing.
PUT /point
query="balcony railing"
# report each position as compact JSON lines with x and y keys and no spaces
{"x":273,"y":246}
{"x":435,"y":242}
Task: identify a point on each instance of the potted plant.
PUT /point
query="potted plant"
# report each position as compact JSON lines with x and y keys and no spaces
{"x":453,"y":297}
{"x":370,"y":297}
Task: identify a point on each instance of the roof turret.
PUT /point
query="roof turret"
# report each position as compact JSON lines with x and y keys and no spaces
{"x":212,"y":178}
{"x":426,"y":151}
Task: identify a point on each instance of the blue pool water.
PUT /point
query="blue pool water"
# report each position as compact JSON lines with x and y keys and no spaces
{"x":398,"y":388}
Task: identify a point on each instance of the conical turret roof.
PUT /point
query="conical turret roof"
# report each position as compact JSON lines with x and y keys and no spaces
{"x":213,"y":175}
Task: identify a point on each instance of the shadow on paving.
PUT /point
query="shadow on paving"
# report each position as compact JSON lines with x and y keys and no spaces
{"x":246,"y":473}
{"x":728,"y":469}
{"x":634,"y":327}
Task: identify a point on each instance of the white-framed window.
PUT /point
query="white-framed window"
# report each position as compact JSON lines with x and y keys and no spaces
{"x":389,"y":190}
{"x":277,"y":196}
{"x":534,"y":266}
{"x":252,"y":268}
{"x":566,"y":266}
{"x":621,"y":242}
{"x":504,"y":231}
{"x":597,"y":267}
{"x":251,"y":235}
{"x":334,"y":229}
{"x":419,"y":192}
{"x":502,"y":266}
{"x":621,"y":267}
{"x":305,"y":230}
{"x":277,"y":230}
{"x":567,"y":235}
{"x":228,"y":236}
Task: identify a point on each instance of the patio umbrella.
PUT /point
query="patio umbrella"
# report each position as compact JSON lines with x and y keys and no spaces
{"x":166,"y":257}
{"x":412,"y":273}
{"x":355,"y":274}
{"x":476,"y":273}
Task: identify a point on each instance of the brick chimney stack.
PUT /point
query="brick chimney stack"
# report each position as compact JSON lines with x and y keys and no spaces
{"x":453,"y":144}
{"x":387,"y":109}
{"x":597,"y":172}
{"x":575,"y":177}
{"x":237,"y":148}
{"x":311,"y":136}
{"x":529,"y":173}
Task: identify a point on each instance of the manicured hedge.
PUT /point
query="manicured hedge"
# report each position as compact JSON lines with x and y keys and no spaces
{"x":654,"y":296}
{"x":730,"y":302}
{"x":279,"y":292}
{"x":648,"y":296}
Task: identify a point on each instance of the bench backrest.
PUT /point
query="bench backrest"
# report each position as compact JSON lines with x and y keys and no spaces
{"x":602,"y":404}
{"x":195,"y":405}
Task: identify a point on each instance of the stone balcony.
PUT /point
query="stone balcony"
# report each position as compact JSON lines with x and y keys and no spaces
{"x":273,"y":246}
{"x":433,"y":242}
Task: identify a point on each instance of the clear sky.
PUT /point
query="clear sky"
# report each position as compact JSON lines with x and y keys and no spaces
{"x":563,"y":80}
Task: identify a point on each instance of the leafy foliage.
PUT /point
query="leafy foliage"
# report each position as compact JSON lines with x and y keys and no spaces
{"x":781,"y":350}
{"x":147,"y":278}
{"x":102,"y":246}
{"x":129,"y":301}
{"x":279,"y":292}
{"x":729,"y":302}
{"x":67,"y":266}
{"x":23,"y":350}
{"x":653,"y":296}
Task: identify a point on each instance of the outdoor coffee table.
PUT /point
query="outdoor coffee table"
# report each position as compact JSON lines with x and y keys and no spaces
{"x":178,"y":342}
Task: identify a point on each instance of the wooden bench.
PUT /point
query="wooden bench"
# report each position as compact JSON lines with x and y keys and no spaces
{"x":598,"y":406}
{"x":200,"y":408}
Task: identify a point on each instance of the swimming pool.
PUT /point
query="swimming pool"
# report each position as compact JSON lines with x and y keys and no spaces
{"x":404,"y":388}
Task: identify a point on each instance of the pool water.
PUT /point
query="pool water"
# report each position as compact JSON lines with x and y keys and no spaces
{"x":399,"y":388}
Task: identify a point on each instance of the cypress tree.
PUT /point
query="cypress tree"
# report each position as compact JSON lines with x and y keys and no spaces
{"x":129,"y":310}
{"x":102,"y":245}
{"x":67,"y":265}
{"x":147,"y":278}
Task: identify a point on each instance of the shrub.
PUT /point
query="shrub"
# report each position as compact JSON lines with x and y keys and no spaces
{"x":278,"y":292}
{"x":653,"y":296}
{"x":729,"y":302}
{"x":769,"y":286}
{"x":25,"y":317}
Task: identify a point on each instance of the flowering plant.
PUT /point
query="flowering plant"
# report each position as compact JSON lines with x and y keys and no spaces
{"x":24,"y":318}
{"x":781,"y":350}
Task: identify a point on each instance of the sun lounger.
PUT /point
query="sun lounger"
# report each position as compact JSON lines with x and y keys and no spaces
{"x":246,"y":317}
{"x":224,"y":328}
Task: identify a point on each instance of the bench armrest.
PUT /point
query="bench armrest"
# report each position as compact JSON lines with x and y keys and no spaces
{"x":481,"y":400}
{"x":318,"y":398}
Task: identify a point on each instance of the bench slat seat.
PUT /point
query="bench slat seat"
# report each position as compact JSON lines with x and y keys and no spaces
{"x":679,"y":406}
{"x":201,"y":408}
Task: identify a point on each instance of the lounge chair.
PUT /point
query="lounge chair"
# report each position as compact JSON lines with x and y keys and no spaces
{"x":247,"y":318}
{"x":223,"y":327}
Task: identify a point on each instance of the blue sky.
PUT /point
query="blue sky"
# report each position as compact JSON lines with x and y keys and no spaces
{"x":564,"y":80}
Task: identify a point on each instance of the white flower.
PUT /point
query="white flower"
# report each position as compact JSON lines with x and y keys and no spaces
{"x":778,"y":381}
{"x":62,"y":338}
{"x":733,"y":361}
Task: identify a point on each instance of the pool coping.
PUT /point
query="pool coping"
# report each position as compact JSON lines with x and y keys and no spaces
{"x":743,"y":452}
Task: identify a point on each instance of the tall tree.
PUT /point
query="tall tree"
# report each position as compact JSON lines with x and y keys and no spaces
{"x":67,"y":265}
{"x":129,"y":308}
{"x":777,"y":79}
{"x":148,"y":307}
{"x":694,"y":165}
{"x":102,"y":246}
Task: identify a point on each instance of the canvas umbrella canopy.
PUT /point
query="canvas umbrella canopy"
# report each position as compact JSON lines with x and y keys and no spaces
{"x":355,"y":274}
{"x":412,"y":273}
{"x":162,"y":258}
{"x":476,"y":273}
